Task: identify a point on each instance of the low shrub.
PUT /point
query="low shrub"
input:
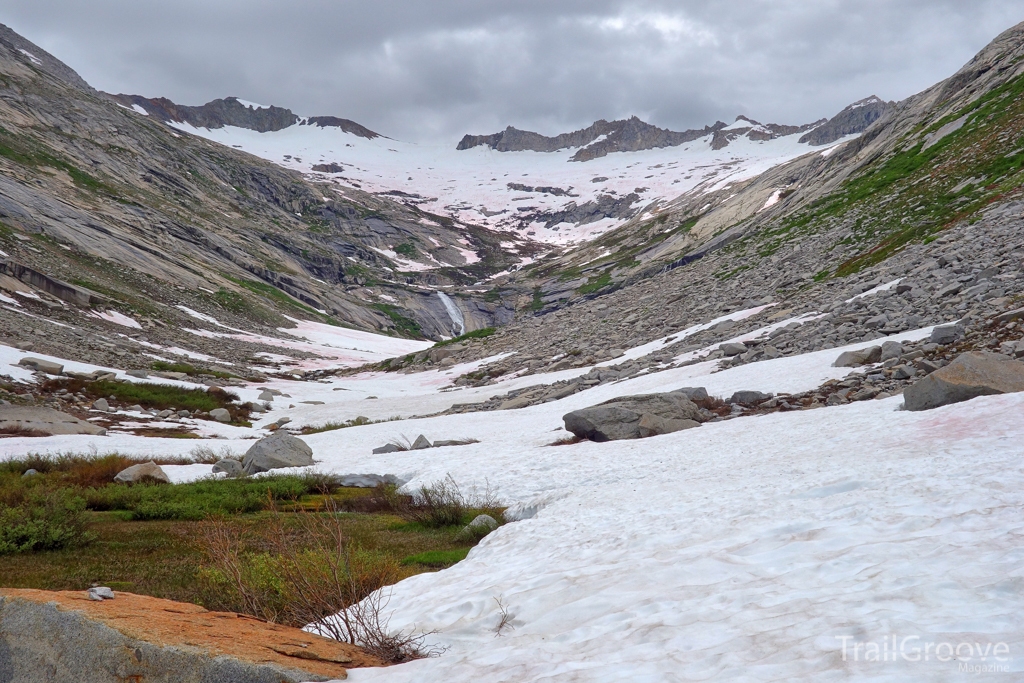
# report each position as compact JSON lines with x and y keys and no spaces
{"x":308,"y":576}
{"x":201,"y":499}
{"x":43,"y":520}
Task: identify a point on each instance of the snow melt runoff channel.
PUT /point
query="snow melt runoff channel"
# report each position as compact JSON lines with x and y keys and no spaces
{"x":454,"y":313}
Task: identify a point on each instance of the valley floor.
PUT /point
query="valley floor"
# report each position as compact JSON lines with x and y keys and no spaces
{"x":749,"y":549}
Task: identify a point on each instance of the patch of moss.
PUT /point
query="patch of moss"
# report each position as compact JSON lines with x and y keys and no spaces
{"x":403,"y":324}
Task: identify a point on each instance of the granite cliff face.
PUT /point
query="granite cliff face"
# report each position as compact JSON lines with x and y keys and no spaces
{"x":853,"y":119}
{"x":99,"y":196}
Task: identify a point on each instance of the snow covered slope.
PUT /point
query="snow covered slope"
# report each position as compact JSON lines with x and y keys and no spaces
{"x":540,"y":195}
{"x":748,"y":550}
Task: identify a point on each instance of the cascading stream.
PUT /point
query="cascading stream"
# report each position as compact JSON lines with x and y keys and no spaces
{"x":454,"y":313}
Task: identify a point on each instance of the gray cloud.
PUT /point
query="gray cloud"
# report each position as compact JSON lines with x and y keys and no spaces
{"x":435,"y":70}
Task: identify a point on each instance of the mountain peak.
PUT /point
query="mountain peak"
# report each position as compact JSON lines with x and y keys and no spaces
{"x":597,"y":140}
{"x":854,"y":118}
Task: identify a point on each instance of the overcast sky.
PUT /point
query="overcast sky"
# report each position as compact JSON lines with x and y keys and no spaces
{"x":433,"y":70}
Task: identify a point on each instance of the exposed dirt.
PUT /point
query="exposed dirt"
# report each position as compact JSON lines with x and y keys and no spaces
{"x":180,"y":624}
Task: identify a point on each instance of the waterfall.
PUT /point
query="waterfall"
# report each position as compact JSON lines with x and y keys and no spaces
{"x":454,"y":313}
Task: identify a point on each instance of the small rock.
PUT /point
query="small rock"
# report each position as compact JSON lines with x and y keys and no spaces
{"x":282,"y":421}
{"x":266,"y":396}
{"x":946,"y":334}
{"x":732,"y":348}
{"x":902,"y":372}
{"x":100,"y":593}
{"x":420,"y":443}
{"x":229,"y":466}
{"x":850,"y":359}
{"x":40,"y":365}
{"x":483,"y":522}
{"x":141,"y":374}
{"x":749,"y":397}
{"x":891,"y":349}
{"x":694,"y":393}
{"x":137,"y":408}
{"x":30,"y":473}
{"x":101,"y":405}
{"x":220,"y":415}
{"x":142,"y":472}
{"x":386,"y":448}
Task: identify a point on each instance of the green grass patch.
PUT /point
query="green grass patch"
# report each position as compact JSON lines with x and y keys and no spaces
{"x":198,"y":500}
{"x":405,"y":325}
{"x":482,"y":333}
{"x":160,"y":396}
{"x":407,"y":249}
{"x":437,"y":559}
{"x":596,"y":283}
{"x":27,"y":152}
{"x":283,"y":298}
{"x":538,"y":302}
{"x":164,"y":366}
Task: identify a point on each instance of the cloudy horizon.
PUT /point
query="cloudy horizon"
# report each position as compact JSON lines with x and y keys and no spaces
{"x":435,"y":71}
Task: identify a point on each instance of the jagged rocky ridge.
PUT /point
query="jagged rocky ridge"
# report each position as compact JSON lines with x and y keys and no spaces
{"x":627,"y":135}
{"x":630,"y":135}
{"x":231,"y":112}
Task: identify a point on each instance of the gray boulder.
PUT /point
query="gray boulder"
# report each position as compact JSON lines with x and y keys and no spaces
{"x":265,"y":395}
{"x":749,"y":397}
{"x":483,"y":522}
{"x":851,"y":359}
{"x":40,"y":365}
{"x":420,"y":443}
{"x":946,"y":334}
{"x":101,"y":405}
{"x":230,"y":467}
{"x":141,"y":374}
{"x":387,"y":448}
{"x":970,"y":375}
{"x":45,"y":421}
{"x":220,"y":415}
{"x":891,"y":349}
{"x":620,"y":417}
{"x":30,"y":472}
{"x":694,"y":393}
{"x":479,"y":527}
{"x":733,"y":348}
{"x":366,"y":481}
{"x":147,"y":471}
{"x":277,"y":451}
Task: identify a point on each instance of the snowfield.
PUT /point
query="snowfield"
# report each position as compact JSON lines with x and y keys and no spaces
{"x":473,"y":185}
{"x":751,"y":549}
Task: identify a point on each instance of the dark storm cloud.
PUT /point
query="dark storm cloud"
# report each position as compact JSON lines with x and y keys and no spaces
{"x":434,"y":70}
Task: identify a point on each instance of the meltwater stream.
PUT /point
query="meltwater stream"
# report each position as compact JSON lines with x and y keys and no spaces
{"x":454,"y":313}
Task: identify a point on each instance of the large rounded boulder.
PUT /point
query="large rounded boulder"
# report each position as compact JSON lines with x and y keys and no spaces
{"x":634,"y":417}
{"x":277,"y":451}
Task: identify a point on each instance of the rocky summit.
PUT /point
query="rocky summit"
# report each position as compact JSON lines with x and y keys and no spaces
{"x":498,"y":403}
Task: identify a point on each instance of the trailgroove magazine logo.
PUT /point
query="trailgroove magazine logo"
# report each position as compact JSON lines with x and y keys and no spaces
{"x":970,"y":656}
